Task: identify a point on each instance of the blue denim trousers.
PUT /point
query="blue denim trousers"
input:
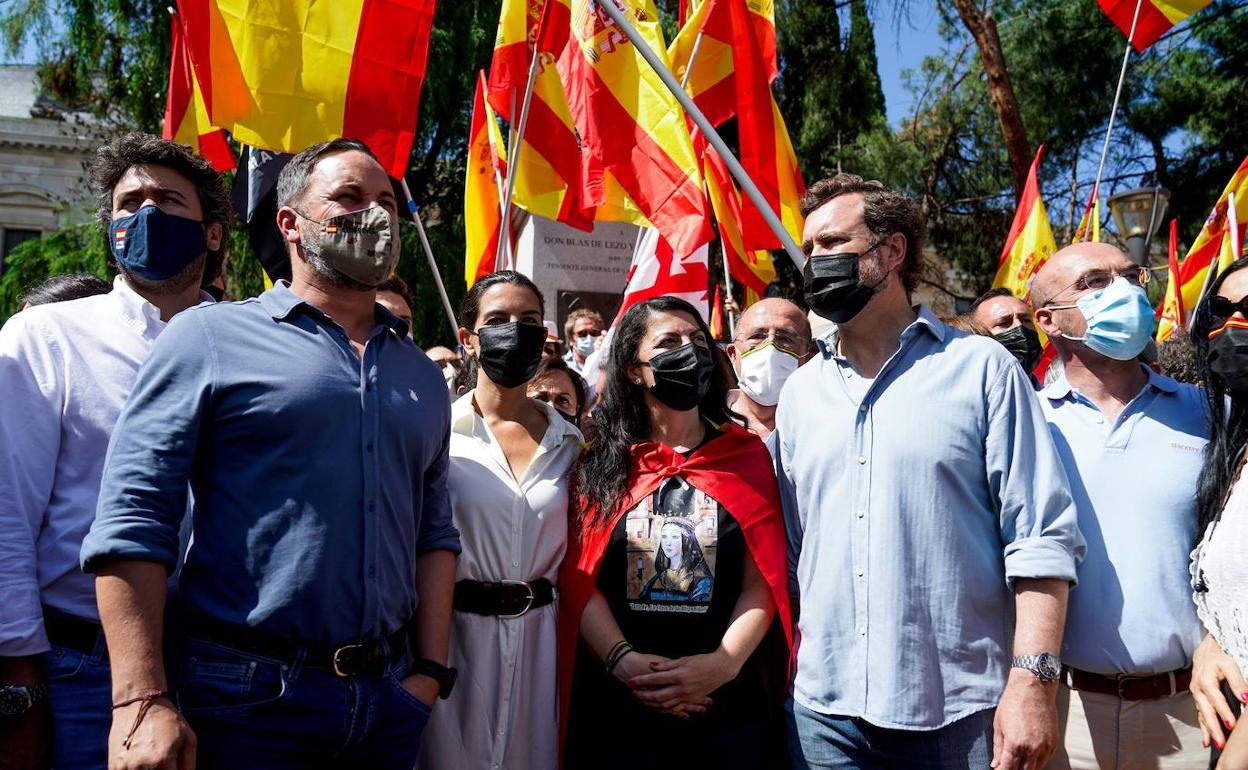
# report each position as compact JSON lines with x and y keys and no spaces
{"x":255,"y":713}
{"x":822,"y":742}
{"x":80,"y":698}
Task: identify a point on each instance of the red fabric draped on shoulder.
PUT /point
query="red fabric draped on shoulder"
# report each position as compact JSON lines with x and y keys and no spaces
{"x":735,"y":469}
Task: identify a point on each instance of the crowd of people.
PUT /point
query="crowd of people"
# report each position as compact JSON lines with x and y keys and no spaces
{"x":274,"y":533}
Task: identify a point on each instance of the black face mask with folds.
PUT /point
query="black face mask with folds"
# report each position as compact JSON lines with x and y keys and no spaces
{"x":510,"y":353}
{"x":1023,"y":344}
{"x":1228,"y":357}
{"x":833,"y":288}
{"x":682,"y":376}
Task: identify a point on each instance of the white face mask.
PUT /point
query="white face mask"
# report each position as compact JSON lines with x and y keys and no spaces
{"x":763,"y":372}
{"x":448,"y":374}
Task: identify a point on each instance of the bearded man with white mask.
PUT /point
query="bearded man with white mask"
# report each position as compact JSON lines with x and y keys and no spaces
{"x":772,"y":339}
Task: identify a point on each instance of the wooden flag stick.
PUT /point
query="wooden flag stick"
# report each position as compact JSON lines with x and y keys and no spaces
{"x":734,"y":166}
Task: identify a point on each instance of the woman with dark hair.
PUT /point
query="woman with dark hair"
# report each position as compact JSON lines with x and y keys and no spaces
{"x":1219,"y":570}
{"x":670,"y":464}
{"x":510,"y":458}
{"x":556,"y":384}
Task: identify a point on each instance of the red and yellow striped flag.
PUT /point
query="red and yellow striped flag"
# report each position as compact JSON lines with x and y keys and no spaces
{"x":284,"y":76}
{"x":482,"y":217}
{"x":731,"y":75}
{"x":1030,"y":242}
{"x":631,"y":126}
{"x":1156,"y":16}
{"x":186,"y":117}
{"x":716,"y":324}
{"x":1090,"y":223}
{"x":753,"y":269}
{"x":1213,"y":244}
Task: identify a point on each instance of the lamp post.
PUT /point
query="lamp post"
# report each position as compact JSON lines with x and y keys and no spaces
{"x":1138,"y":214}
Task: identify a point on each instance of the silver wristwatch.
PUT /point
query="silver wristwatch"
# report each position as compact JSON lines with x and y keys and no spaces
{"x":1045,"y":665}
{"x":18,"y":699}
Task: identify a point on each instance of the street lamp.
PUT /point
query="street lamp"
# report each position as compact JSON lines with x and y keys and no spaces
{"x":1138,"y":214}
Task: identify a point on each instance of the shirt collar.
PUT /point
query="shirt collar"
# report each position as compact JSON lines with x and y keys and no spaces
{"x":281,"y":302}
{"x":464,"y":419}
{"x":136,"y":310}
{"x":926,"y":321}
{"x":1060,"y":388}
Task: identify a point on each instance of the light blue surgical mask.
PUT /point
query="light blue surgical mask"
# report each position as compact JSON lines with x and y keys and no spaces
{"x":585,"y":345}
{"x":1120,"y":319}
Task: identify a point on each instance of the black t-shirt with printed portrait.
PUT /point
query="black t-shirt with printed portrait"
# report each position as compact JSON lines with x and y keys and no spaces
{"x":672,"y":573}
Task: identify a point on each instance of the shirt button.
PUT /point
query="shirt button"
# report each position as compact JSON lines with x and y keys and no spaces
{"x":372,"y":507}
{"x":862,"y":460}
{"x":862,"y":630}
{"x":370,"y":446}
{"x":860,"y":573}
{"x":372,"y":572}
{"x":861,"y":514}
{"x":863,"y":408}
{"x":515,"y":564}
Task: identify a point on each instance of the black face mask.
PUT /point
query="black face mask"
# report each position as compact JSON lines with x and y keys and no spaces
{"x":833,"y":288}
{"x":682,"y":376}
{"x":1023,"y":344}
{"x":1228,"y":357}
{"x":571,"y":418}
{"x":510,"y":353}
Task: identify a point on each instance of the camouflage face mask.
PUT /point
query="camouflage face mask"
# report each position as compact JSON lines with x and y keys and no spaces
{"x":361,"y":245}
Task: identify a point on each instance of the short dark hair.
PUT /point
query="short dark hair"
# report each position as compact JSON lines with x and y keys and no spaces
{"x":61,"y":288}
{"x":292,"y":183}
{"x":883,"y":210}
{"x":396,"y":285}
{"x":556,"y":365}
{"x":124,"y":152}
{"x":1000,"y":291}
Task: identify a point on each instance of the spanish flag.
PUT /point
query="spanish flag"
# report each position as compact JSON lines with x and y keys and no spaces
{"x":186,"y":117}
{"x":731,"y":75}
{"x":1090,"y":223}
{"x":1030,"y":242}
{"x":1212,"y":244}
{"x":482,"y":217}
{"x":286,"y":75}
{"x":752,"y":269}
{"x":631,"y":126}
{"x":1156,"y":16}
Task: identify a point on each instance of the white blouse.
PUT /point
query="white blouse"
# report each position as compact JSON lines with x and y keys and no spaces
{"x":1220,"y":569}
{"x":503,"y":712}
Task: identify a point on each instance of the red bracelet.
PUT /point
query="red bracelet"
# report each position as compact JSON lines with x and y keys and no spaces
{"x":146,"y":698}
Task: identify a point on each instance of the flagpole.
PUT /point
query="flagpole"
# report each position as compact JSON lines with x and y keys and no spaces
{"x":513,"y":153}
{"x":732,"y":317}
{"x":734,"y":166}
{"x":503,"y":231}
{"x":1113,"y":111}
{"x":433,"y":265}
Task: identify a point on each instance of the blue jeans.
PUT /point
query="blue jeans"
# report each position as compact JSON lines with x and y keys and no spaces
{"x":80,"y":697}
{"x":821,"y":742}
{"x":250,"y":711}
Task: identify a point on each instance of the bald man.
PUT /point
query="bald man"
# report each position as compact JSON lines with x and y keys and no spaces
{"x":772,"y":340}
{"x":1131,"y":442}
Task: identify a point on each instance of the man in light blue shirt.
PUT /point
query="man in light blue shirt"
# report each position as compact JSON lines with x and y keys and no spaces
{"x":1131,"y":441}
{"x":926,"y":509}
{"x":66,"y":369}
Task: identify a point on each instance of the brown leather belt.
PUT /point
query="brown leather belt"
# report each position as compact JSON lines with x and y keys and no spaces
{"x":1127,"y":687}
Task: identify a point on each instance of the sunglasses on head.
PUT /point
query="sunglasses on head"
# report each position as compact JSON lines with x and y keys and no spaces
{"x":1221,"y":309}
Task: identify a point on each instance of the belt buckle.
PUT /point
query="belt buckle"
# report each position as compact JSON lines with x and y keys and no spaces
{"x":528,"y":600}
{"x":338,"y":663}
{"x":1123,"y":680}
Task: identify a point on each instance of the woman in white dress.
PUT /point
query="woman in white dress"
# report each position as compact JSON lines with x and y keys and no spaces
{"x":1220,"y":561}
{"x":510,"y":457}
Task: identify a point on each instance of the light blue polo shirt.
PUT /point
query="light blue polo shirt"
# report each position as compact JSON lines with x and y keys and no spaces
{"x":1134,"y":485}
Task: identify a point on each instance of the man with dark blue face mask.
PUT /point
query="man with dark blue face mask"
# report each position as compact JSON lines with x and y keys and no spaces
{"x":1131,"y":441}
{"x":66,"y":369}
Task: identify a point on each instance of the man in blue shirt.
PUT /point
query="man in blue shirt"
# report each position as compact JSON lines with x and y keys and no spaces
{"x":926,"y":509}
{"x":1131,"y":441}
{"x":313,"y":434}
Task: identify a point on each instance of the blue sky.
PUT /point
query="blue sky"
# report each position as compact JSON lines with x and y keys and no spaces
{"x":901,"y":46}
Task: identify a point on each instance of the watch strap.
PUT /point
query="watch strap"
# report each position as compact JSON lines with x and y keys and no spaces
{"x":443,"y":675}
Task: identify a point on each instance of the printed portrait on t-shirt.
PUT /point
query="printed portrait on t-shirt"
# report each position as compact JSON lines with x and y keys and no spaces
{"x":672,"y":536}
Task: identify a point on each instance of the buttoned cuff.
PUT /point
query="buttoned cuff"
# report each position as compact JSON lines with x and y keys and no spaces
{"x":1039,"y":558}
{"x":443,"y":540}
{"x":21,"y":622}
{"x":113,"y":540}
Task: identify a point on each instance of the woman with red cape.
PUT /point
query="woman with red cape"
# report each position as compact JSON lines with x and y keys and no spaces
{"x":674,"y":623}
